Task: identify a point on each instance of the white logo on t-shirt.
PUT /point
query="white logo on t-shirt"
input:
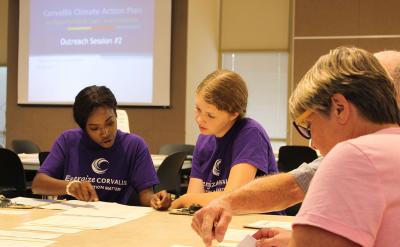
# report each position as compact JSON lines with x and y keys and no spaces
{"x":216,"y":168}
{"x":98,"y":164}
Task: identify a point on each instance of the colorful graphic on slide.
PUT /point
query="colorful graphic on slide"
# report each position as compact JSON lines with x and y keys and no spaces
{"x":103,"y":42}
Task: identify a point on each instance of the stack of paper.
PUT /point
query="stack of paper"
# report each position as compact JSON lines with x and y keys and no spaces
{"x":75,"y":217}
{"x":92,"y":215}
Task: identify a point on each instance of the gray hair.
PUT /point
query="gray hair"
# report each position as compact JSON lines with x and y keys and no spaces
{"x":354,"y":73}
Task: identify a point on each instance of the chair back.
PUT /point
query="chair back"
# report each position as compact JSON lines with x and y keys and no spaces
{"x":169,"y":173}
{"x":12,"y":174}
{"x":123,"y":121}
{"x":291,"y":157}
{"x":25,"y":146}
{"x":42,"y":157}
{"x":168,"y":149}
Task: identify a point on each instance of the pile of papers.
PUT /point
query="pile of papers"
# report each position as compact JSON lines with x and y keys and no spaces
{"x":74,"y":217}
{"x":90,"y":215}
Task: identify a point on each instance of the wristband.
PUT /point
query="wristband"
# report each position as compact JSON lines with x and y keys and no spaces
{"x":172,"y":195}
{"x":69,"y":185}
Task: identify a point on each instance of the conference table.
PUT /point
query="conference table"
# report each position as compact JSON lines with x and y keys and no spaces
{"x":31,"y":161}
{"x":155,"y":229}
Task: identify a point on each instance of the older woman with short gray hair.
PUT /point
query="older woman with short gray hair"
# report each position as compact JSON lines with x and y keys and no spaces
{"x":346,"y":103}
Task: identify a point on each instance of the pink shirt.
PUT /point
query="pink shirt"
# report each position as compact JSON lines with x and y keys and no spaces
{"x":356,"y":191}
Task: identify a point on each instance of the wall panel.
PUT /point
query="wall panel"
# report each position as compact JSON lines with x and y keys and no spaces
{"x":320,"y":18}
{"x":379,"y":17}
{"x":3,"y":31}
{"x":254,"y":25}
{"x":323,"y":25}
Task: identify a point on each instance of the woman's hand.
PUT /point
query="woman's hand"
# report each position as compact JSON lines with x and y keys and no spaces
{"x":161,"y":200}
{"x":82,"y":190}
{"x":211,"y":222}
{"x":275,"y":236}
{"x":183,"y":201}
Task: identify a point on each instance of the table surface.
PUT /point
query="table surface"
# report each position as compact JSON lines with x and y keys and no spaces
{"x":156,"y":229}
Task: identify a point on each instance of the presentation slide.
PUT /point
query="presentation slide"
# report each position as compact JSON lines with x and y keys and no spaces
{"x":71,"y":44}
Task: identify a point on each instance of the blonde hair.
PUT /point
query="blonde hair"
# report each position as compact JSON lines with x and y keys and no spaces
{"x":226,"y":90}
{"x":354,"y":73}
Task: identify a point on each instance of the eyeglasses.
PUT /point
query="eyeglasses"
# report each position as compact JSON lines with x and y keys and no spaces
{"x":303,"y":131}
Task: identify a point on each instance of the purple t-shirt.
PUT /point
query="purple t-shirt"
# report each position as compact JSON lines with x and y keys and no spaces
{"x":245,"y":142}
{"x":114,"y":172}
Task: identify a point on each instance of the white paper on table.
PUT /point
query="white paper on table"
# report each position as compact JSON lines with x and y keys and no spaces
{"x":237,"y":235}
{"x":24,"y":242}
{"x":34,"y":202}
{"x":112,"y":210}
{"x":27,"y":234}
{"x":67,"y":205}
{"x":13,"y":212}
{"x":79,"y":221}
{"x":248,"y":241}
{"x":266,"y":223}
{"x":49,"y":229}
{"x":92,"y":215}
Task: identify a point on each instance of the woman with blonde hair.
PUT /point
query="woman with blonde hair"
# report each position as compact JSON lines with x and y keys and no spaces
{"x":231,"y":150}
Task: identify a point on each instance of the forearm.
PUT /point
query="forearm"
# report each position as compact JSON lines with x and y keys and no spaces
{"x":45,"y":185}
{"x":145,"y":196}
{"x":201,"y":198}
{"x":266,"y":194}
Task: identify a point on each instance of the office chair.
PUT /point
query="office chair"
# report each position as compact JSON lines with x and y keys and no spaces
{"x":24,"y":146}
{"x":169,"y":173}
{"x":168,"y":149}
{"x":12,"y":174}
{"x":291,"y":157}
{"x":42,"y":157}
